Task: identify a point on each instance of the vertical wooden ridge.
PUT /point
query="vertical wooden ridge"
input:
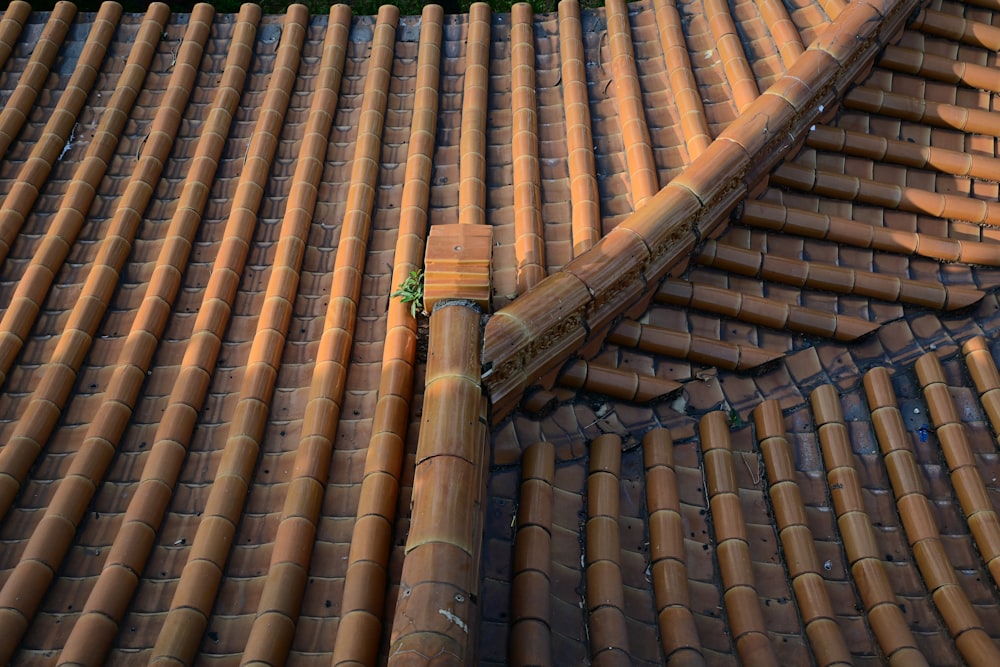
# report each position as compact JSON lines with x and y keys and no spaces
{"x":472,"y":147}
{"x":18,"y":105}
{"x":357,"y":638}
{"x":644,"y":181}
{"x":584,"y":195}
{"x":683,"y":84}
{"x":528,"y":229}
{"x":36,"y":169}
{"x":59,"y":373}
{"x":90,"y":639}
{"x":29,"y":295}
{"x":270,"y":637}
{"x":531,"y":581}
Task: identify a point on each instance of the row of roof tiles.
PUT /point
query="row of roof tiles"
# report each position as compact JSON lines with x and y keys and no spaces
{"x":389,"y":91}
{"x":821,"y":581}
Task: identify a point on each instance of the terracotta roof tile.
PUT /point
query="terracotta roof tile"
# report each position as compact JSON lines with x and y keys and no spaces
{"x":920,"y":527}
{"x":126,"y":468}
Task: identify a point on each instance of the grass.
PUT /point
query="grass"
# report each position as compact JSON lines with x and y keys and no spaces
{"x":411,"y":291}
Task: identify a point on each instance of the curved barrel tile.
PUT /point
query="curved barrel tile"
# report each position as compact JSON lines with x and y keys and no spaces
{"x":678,"y":633}
{"x":528,"y":228}
{"x":18,"y":105}
{"x":584,"y":195}
{"x":14,"y":18}
{"x":621,"y":384}
{"x":159,"y":475}
{"x":632,"y":120}
{"x":200,"y":580}
{"x":742,"y":605}
{"x":698,"y":349}
{"x":951,"y":601}
{"x":765,"y":312}
{"x":360,"y":627}
{"x":90,"y":638}
{"x":280,"y":600}
{"x":530,"y":634}
{"x":46,"y":151}
{"x":802,"y":561}
{"x":59,"y":373}
{"x":29,"y":296}
{"x":884,"y":615}
{"x":941,"y":24}
{"x":983,"y":369}
{"x":843,"y":280}
{"x":609,"y":643}
{"x":472,"y":188}
{"x":859,"y":248}
{"x":741,"y":79}
{"x":869,"y":191}
{"x":969,"y":486}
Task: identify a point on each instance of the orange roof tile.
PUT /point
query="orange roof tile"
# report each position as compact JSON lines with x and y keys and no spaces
{"x":222,"y":439}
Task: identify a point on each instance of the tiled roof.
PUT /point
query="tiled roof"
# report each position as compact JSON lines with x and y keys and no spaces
{"x":710,"y":372}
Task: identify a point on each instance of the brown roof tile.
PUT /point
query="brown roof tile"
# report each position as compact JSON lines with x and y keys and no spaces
{"x":585,"y":198}
{"x":116,"y":522}
{"x":942,"y":24}
{"x":36,"y":71}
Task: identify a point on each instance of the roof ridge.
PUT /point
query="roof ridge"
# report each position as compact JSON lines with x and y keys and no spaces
{"x":532,"y":337}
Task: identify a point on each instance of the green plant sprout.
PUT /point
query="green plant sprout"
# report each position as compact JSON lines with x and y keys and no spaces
{"x":411,"y":291}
